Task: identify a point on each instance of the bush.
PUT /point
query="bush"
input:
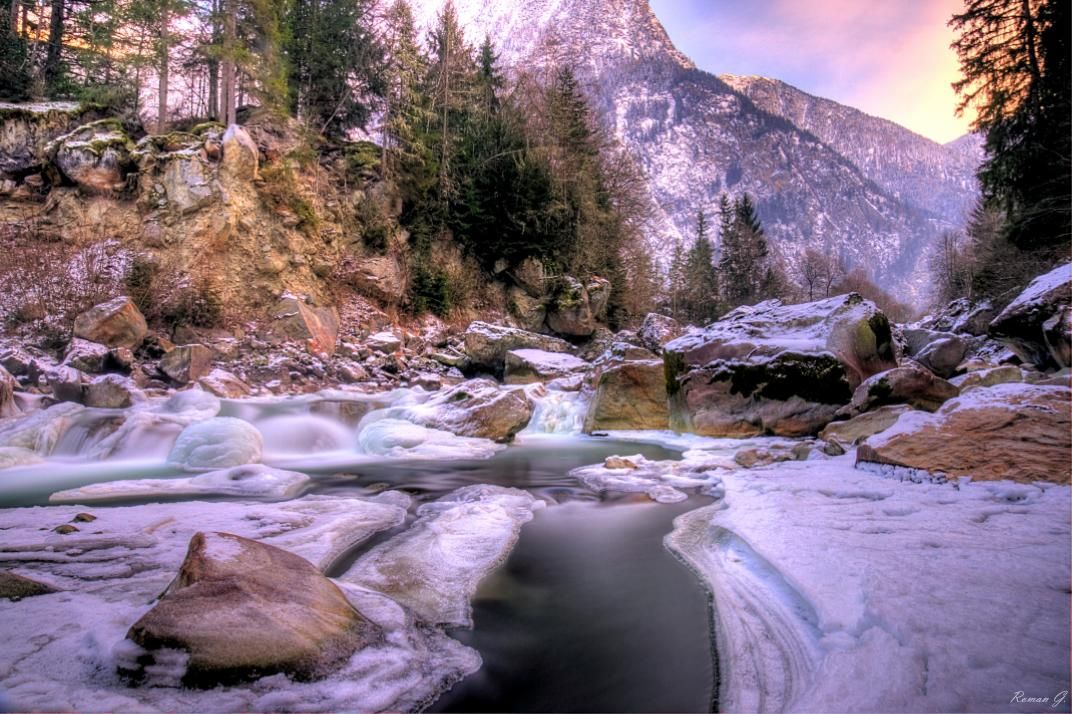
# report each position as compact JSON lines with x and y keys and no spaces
{"x":280,"y":191}
{"x":197,"y":306}
{"x":140,"y":282}
{"x":430,"y":291}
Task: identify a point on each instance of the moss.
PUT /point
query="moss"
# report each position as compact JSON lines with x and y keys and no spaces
{"x":205,"y":127}
{"x":673,"y":368}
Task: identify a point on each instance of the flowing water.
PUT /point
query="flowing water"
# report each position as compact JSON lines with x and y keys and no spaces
{"x":590,"y":612}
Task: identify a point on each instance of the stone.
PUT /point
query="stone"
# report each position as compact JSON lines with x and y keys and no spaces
{"x":8,"y":407}
{"x":943,"y":356}
{"x":96,"y":156}
{"x":775,"y":369}
{"x":1036,"y":324}
{"x":187,"y":363}
{"x":850,"y":433}
{"x":316,"y":327}
{"x":116,"y":323}
{"x":909,"y":384}
{"x":90,"y":357}
{"x":570,"y":310}
{"x":1018,"y":432}
{"x":657,"y":330}
{"x":16,"y":587}
{"x":988,"y":377}
{"x":111,"y":392}
{"x":241,"y":157}
{"x":65,"y":529}
{"x":620,"y":462}
{"x":380,"y":277}
{"x":224,"y":385}
{"x":68,"y":384}
{"x":529,"y":366}
{"x":240,"y":609}
{"x":385,"y":342}
{"x":478,"y":408}
{"x":528,"y":312}
{"x":962,"y":317}
{"x":189,"y":183}
{"x":598,"y":290}
{"x":486,"y":345}
{"x":17,"y":361}
{"x":631,"y":395}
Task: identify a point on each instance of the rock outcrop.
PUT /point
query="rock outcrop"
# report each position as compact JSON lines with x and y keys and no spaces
{"x":529,"y":366}
{"x":240,"y":609}
{"x":316,"y":327}
{"x":97,"y":156}
{"x":631,"y":395}
{"x":576,"y":307}
{"x":1018,"y":432}
{"x":116,"y":323}
{"x":486,"y":345}
{"x":1037,"y":325}
{"x":775,"y":369}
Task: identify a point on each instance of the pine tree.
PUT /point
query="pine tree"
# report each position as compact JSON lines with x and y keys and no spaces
{"x":701,"y":277}
{"x":406,"y":105}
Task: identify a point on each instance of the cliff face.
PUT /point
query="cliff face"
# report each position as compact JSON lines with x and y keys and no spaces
{"x":811,"y":165}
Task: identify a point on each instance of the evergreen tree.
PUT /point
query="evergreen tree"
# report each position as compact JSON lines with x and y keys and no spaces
{"x":14,"y":57}
{"x":701,"y":277}
{"x":748,"y":273}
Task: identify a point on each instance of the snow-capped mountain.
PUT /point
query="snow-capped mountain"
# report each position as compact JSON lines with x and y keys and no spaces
{"x":696,"y":136}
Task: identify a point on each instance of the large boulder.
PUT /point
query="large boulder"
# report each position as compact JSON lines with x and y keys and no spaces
{"x":8,"y":407}
{"x":486,"y":345}
{"x":657,"y":330}
{"x":575,"y":307}
{"x":528,"y":366}
{"x":241,"y":157}
{"x":317,"y":327}
{"x":111,"y":392}
{"x":528,"y":312}
{"x":96,"y":156}
{"x":1036,"y":325}
{"x":188,"y":183}
{"x":847,"y":434}
{"x":775,"y":369}
{"x":962,"y":317}
{"x":943,"y":356}
{"x":1019,"y":432}
{"x":116,"y":323}
{"x":908,"y":384}
{"x":187,"y":363}
{"x":379,"y":276}
{"x":478,"y":408}
{"x":26,"y":130}
{"x":240,"y":609}
{"x":630,"y":395}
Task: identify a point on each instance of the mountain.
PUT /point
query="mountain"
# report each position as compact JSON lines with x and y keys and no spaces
{"x":696,"y":136}
{"x":937,"y":178}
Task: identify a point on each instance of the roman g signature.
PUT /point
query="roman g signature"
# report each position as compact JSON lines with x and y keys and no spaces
{"x":1054,"y":701}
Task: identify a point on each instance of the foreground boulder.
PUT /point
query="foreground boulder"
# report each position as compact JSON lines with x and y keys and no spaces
{"x":241,"y":609}
{"x":316,"y":327}
{"x":909,"y":384}
{"x":847,"y":434}
{"x":1019,"y":432}
{"x":116,"y":323}
{"x":96,"y":156}
{"x":529,"y":366}
{"x":486,"y":345}
{"x":630,"y":395}
{"x":478,"y":408}
{"x":1037,"y":325}
{"x":775,"y":369}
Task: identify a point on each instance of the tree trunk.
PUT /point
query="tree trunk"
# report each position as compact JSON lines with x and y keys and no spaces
{"x":55,"y":43}
{"x":214,"y":66}
{"x":227,"y":66}
{"x":13,"y":17}
{"x":162,"y":69}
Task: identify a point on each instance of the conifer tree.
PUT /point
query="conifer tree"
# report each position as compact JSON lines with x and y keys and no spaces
{"x":701,"y":277}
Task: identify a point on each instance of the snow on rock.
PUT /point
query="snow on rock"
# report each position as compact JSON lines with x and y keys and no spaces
{"x":253,"y":481}
{"x":836,"y":590}
{"x":40,"y":431}
{"x":401,"y":439}
{"x":435,"y":566}
{"x":526,"y":366}
{"x":478,"y":408}
{"x":217,"y":443}
{"x":1037,"y":325}
{"x":662,"y":481}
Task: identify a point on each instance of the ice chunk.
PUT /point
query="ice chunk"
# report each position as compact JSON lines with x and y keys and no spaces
{"x":434,"y":567}
{"x":40,"y":431}
{"x":399,"y":438}
{"x":662,"y":481}
{"x":217,"y":443}
{"x":254,"y":480}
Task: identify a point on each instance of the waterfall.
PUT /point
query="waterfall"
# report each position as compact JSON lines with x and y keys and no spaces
{"x":558,"y":412}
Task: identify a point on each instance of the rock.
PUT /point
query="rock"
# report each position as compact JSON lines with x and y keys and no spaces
{"x":217,"y":443}
{"x":317,"y":328}
{"x":116,"y":323}
{"x":620,"y":462}
{"x":1018,"y":432}
{"x":850,"y":433}
{"x":240,"y":609}
{"x":224,"y":385}
{"x":962,"y":317}
{"x":944,"y":355}
{"x":657,"y":330}
{"x":631,"y":395}
{"x":17,"y":587}
{"x":380,"y":277}
{"x":189,"y":183}
{"x":187,"y":363}
{"x":241,"y":157}
{"x":477,"y":408}
{"x":12,"y":456}
{"x":598,"y":290}
{"x":486,"y":345}
{"x":8,"y":407}
{"x":570,"y":311}
{"x":385,"y":342}
{"x":90,"y":357}
{"x":528,"y":312}
{"x":68,"y":384}
{"x":775,"y":369}
{"x":111,"y":392}
{"x":752,"y":457}
{"x":17,"y":361}
{"x":909,"y":384}
{"x":65,"y":529}
{"x":528,"y":366}
{"x":96,"y":156}
{"x":1025,"y":325}
{"x":988,"y":377}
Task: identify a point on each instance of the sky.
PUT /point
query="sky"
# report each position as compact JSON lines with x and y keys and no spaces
{"x":889,"y":58}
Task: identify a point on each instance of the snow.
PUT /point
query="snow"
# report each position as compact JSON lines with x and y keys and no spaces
{"x":662,"y":481}
{"x":217,"y":443}
{"x":435,"y":566}
{"x":543,"y":361}
{"x":401,"y":439}
{"x":1038,"y":289}
{"x":838,"y":591}
{"x":253,"y":481}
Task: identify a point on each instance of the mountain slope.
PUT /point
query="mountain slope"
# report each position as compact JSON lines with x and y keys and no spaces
{"x":696,"y":137}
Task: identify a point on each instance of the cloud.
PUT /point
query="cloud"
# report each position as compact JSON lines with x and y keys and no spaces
{"x":891,"y":59}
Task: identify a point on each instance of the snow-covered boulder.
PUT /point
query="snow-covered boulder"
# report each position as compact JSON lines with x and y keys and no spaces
{"x":386,"y":342}
{"x":943,"y":356}
{"x":116,"y":323}
{"x":528,"y":366}
{"x":478,"y":408}
{"x":657,"y":330}
{"x":1019,"y":432}
{"x":217,"y":443}
{"x":486,"y":345}
{"x":773,"y":368}
{"x":630,"y":395}
{"x":112,"y":391}
{"x":847,"y":434}
{"x":242,"y":609}
{"x":961,"y":317}
{"x":1037,"y":325}
{"x":909,"y":384}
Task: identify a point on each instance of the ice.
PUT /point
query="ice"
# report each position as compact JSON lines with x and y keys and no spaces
{"x":189,"y":407}
{"x":838,"y":591}
{"x":434,"y":567}
{"x":398,"y":438}
{"x":662,"y":481}
{"x":217,"y":443}
{"x":556,"y":412}
{"x":11,"y":456}
{"x":42,"y":430}
{"x":254,"y":481}
{"x":303,"y":434}
{"x":61,"y":650}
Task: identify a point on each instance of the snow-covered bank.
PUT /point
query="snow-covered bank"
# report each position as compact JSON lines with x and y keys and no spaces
{"x":838,"y":590}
